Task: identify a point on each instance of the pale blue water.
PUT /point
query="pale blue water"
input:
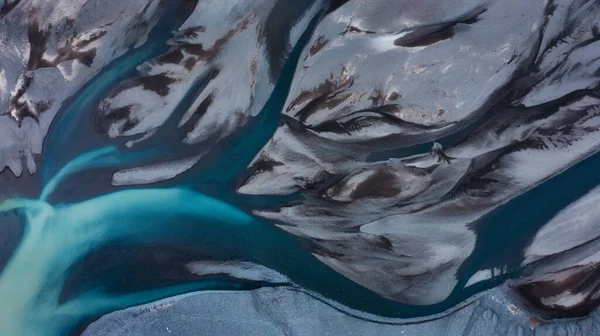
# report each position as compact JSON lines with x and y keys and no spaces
{"x":200,"y":210}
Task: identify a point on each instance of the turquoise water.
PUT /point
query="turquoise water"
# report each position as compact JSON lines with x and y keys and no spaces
{"x":72,"y":131}
{"x":200,"y":210}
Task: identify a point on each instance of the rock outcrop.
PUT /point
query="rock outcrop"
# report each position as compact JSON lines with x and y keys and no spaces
{"x":50,"y":49}
{"x":510,"y":89}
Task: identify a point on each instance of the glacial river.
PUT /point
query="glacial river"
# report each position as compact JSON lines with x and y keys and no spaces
{"x":78,"y":216}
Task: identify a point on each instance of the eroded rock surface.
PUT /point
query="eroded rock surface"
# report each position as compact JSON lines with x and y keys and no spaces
{"x":564,"y":263}
{"x":51,"y":49}
{"x":411,"y":131}
{"x":510,"y":89}
{"x":230,"y":52}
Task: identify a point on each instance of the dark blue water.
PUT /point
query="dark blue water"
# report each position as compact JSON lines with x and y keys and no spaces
{"x":72,"y":131}
{"x":200,"y":212}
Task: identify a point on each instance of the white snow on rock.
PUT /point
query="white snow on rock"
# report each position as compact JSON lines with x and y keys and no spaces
{"x":239,"y":270}
{"x":224,"y":49}
{"x":574,"y":226}
{"x":413,"y":80}
{"x":283,"y":310}
{"x":434,"y":68}
{"x":479,"y":276}
{"x":57,"y":46}
{"x":153,"y":173}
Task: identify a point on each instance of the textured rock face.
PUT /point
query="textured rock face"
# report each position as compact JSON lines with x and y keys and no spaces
{"x":221,"y":68}
{"x":430,"y":144}
{"x":563,"y":262}
{"x":507,"y":94}
{"x":58,"y":46}
{"x":230,"y":53}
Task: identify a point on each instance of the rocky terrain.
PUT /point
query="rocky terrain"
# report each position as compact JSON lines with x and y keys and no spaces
{"x":432,"y":151}
{"x":254,"y":36}
{"x":513,"y":98}
{"x":61,"y":46}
